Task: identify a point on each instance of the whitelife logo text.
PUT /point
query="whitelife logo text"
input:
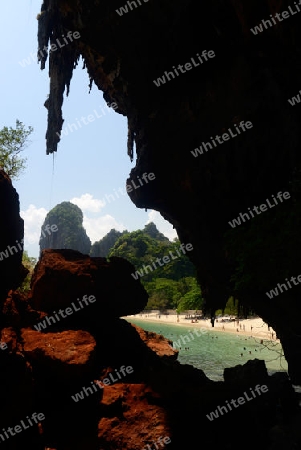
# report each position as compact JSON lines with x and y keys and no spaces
{"x":9,"y":250}
{"x":71,"y":127}
{"x":53,"y":48}
{"x":36,"y":417}
{"x":188,"y":337}
{"x":161,"y":440}
{"x":124,"y":9}
{"x":221,"y":139}
{"x":166,"y":259}
{"x":295,"y":100}
{"x":287,"y":286}
{"x":184,"y":68}
{"x":241,"y":401}
{"x":279,"y":16}
{"x":259,"y":209}
{"x":49,"y":320}
{"x":101,"y":384}
{"x":140,"y":182}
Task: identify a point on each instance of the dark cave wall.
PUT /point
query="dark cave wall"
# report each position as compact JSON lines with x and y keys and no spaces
{"x":11,"y":233}
{"x":250,"y":78}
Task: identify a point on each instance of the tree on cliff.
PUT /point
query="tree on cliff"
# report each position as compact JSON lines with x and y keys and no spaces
{"x":103,"y":247}
{"x":12,"y":142}
{"x":140,"y":249}
{"x":70,"y":233}
{"x":152,"y":231}
{"x":191,"y":297}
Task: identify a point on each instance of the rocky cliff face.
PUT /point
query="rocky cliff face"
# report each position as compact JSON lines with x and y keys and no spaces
{"x":63,"y":228}
{"x":63,"y":277}
{"x":218,"y":75}
{"x":11,"y":238}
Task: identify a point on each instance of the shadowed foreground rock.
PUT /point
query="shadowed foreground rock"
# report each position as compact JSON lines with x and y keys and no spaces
{"x":11,"y":233}
{"x":159,"y":398}
{"x":61,"y":277}
{"x":105,"y":384}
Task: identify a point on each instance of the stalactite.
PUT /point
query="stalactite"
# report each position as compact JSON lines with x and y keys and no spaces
{"x":61,"y":64}
{"x":45,"y":19}
{"x":131,"y":140}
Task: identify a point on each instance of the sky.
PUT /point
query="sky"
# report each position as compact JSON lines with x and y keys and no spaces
{"x":91,"y":166}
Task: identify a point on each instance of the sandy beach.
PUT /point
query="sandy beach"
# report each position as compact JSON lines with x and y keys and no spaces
{"x":254,"y":327}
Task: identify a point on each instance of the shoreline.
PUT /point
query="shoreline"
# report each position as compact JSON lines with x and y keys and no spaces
{"x":254,"y":327}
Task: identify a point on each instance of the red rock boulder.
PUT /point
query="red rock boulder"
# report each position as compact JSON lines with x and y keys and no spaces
{"x":76,"y":289}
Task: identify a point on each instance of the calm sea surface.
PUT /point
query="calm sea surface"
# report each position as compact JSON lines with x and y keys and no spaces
{"x":213,"y":351}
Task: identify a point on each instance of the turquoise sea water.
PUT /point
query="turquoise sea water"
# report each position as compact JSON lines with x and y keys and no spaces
{"x":214,"y":351}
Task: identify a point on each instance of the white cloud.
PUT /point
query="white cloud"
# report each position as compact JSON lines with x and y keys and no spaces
{"x":98,"y":227}
{"x":162,"y":224}
{"x":86,"y":202}
{"x":33,"y":220}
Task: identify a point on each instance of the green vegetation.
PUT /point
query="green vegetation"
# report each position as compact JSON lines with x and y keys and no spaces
{"x":152,"y":231}
{"x":70,"y":234}
{"x":29,"y":263}
{"x":169,"y":294}
{"x":192,"y":297}
{"x":139,"y":248}
{"x":102,"y":247}
{"x":12,"y":142}
{"x":170,"y":286}
{"x":231,"y":308}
